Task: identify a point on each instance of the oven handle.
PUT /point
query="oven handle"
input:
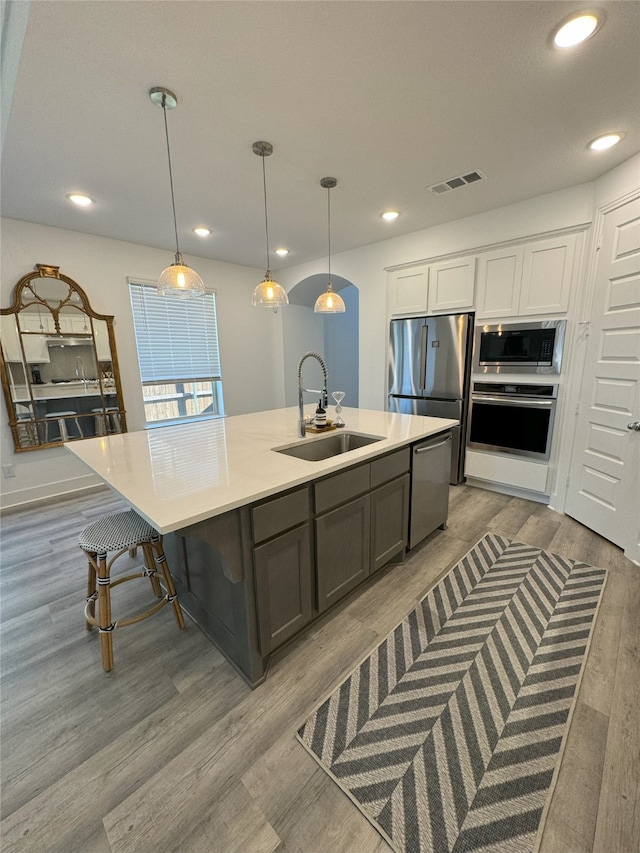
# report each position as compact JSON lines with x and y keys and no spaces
{"x":515,"y":401}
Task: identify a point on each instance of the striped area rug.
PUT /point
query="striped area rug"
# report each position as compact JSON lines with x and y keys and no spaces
{"x":447,"y":737}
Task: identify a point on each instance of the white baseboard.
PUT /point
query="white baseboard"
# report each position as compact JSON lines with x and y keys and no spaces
{"x":49,"y":491}
{"x":503,"y":489}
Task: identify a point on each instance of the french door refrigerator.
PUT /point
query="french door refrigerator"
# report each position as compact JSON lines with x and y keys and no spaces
{"x":429,"y":368}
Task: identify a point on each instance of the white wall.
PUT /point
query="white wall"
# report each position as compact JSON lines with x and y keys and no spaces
{"x":250,"y":338}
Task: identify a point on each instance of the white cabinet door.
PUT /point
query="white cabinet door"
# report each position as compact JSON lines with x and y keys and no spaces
{"x":9,"y":338}
{"x":451,"y":285}
{"x":499,"y":277}
{"x":103,"y":348}
{"x":408,"y":290}
{"x":36,"y":349}
{"x":546,"y":276}
{"x":35,"y":345}
{"x":604,"y":493}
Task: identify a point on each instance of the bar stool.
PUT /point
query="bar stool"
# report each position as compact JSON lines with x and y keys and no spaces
{"x":62,"y":424}
{"x":106,"y":420}
{"x":26,"y":426}
{"x":122,"y":532}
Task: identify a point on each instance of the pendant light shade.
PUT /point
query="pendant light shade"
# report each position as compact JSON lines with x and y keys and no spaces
{"x":177,"y":279}
{"x":329,"y":302}
{"x":180,"y":280}
{"x":268,"y":294}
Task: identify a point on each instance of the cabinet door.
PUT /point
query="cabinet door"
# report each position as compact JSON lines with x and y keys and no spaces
{"x":103,"y":347}
{"x":546,"y":276}
{"x":389,"y":521}
{"x":499,"y":278}
{"x":408,"y":290}
{"x":283,"y":587}
{"x":451,"y":285}
{"x":35,"y":349}
{"x":342,"y":550}
{"x":9,"y":338}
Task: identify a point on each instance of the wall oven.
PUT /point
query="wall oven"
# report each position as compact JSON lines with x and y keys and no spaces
{"x":526,"y":347}
{"x":512,"y":418}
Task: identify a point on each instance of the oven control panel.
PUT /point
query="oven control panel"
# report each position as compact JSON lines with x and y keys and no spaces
{"x":515,"y":390}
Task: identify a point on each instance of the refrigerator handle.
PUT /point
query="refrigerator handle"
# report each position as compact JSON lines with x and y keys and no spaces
{"x":423,"y":358}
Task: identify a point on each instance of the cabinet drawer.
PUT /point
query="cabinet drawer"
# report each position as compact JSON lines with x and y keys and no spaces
{"x":281,"y":513}
{"x":389,"y":467}
{"x":342,"y":487}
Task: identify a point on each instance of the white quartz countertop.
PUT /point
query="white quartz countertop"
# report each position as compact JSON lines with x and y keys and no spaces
{"x":175,"y":476}
{"x":60,"y":390}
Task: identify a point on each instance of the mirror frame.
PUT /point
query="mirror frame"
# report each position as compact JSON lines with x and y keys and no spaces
{"x":54,"y":308}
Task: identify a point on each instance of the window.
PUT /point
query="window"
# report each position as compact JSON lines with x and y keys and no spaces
{"x":177,"y":341}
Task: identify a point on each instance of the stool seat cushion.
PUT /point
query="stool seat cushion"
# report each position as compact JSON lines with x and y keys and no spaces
{"x":113,"y":532}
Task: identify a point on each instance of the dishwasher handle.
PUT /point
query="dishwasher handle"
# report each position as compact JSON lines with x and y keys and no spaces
{"x":433,"y":446}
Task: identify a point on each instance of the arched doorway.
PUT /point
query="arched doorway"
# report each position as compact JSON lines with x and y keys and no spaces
{"x":334,"y":336}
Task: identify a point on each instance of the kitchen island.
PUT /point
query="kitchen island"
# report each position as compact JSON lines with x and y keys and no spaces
{"x":260,"y":543}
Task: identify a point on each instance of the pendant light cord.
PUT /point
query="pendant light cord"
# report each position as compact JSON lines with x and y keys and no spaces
{"x":266,"y":216}
{"x":173,"y":199}
{"x":329,"y":227}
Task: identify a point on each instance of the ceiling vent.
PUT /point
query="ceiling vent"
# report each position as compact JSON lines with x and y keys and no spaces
{"x":459,"y":181}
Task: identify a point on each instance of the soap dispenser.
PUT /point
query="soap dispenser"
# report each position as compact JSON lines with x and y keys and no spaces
{"x":320,"y":419}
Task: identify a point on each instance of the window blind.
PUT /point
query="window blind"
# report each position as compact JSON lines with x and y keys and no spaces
{"x":177,"y":339}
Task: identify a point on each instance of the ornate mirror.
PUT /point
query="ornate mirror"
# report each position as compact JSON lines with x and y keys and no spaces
{"x":59,"y":364}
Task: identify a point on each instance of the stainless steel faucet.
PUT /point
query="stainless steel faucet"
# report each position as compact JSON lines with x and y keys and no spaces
{"x":80,"y":372}
{"x":302,"y":423}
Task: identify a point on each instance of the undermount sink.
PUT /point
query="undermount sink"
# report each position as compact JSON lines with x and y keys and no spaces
{"x":315,"y":450}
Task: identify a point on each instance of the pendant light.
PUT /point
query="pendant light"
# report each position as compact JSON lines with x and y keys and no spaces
{"x":268,"y":294}
{"x":329,"y":302}
{"x":177,"y":279}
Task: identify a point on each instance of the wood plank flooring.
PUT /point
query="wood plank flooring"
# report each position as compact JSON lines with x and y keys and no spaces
{"x":171,"y":751}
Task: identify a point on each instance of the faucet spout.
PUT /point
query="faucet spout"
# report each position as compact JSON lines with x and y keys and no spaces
{"x":302,"y":423}
{"x":80,"y":372}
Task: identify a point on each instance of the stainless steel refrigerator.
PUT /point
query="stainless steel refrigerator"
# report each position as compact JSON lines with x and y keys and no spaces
{"x":429,"y":367}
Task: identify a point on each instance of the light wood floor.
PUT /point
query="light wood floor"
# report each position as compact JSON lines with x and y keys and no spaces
{"x":173,"y":752}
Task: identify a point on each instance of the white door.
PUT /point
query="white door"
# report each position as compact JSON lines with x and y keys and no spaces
{"x":604,"y":484}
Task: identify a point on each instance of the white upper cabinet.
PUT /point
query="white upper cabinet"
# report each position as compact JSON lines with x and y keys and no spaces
{"x":451,"y":285}
{"x":546,"y":276}
{"x":429,"y":289}
{"x":408,"y":290}
{"x":103,"y":347}
{"x":499,"y":277}
{"x":534,"y":278}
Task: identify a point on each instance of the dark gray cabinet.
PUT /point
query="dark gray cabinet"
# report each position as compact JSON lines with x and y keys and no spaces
{"x":342,"y":550}
{"x":389,"y":521}
{"x":358,"y":535}
{"x":282,"y":567}
{"x":284,"y":592}
{"x":254,"y":577}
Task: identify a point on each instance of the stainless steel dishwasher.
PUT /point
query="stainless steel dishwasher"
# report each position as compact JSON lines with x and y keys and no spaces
{"x":430,"y":467}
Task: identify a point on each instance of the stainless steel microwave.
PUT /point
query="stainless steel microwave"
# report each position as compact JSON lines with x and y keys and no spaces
{"x":525,"y":347}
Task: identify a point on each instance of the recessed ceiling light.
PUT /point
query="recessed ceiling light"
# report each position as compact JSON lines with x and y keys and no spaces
{"x":282,"y":252}
{"x":80,"y":199}
{"x":390,"y":215}
{"x":576,"y":29}
{"x":606,"y":141}
{"x":201,"y":231}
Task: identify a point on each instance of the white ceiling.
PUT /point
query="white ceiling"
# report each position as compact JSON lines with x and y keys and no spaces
{"x":388,"y":97}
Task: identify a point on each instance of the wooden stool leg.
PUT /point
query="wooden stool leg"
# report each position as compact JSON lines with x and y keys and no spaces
{"x":104,"y":613}
{"x":150,"y":569}
{"x":172,"y":596}
{"x":91,"y":590}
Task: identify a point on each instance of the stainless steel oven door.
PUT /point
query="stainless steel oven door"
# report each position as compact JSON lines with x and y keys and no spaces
{"x":521,"y":426}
